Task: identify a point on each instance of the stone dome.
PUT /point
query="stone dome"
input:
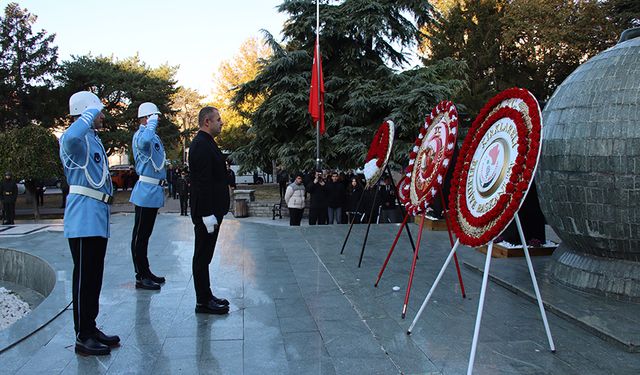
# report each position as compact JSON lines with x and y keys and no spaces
{"x":589,"y":173}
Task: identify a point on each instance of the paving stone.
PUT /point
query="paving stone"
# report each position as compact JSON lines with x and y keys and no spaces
{"x":299,"y":307}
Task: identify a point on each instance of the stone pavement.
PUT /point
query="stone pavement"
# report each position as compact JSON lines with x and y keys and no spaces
{"x":299,"y":307}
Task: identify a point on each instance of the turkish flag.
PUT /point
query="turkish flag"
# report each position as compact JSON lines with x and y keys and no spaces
{"x":316,"y":97}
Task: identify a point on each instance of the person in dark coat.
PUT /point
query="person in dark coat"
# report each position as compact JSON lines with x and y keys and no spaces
{"x":209,"y":204}
{"x":231,"y":181}
{"x":172,"y":178}
{"x":183,"y":192}
{"x":387,"y":192}
{"x":9,"y":193}
{"x":336,"y":194}
{"x":318,"y":192}
{"x":40,"y":192}
{"x":64,"y":187}
{"x":354,"y":195}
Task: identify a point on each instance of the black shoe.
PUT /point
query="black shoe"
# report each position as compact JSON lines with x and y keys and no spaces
{"x":91,"y":346}
{"x":106,"y":339}
{"x":220,"y":301}
{"x":211,"y":308}
{"x":147,"y":284}
{"x":156,"y":279}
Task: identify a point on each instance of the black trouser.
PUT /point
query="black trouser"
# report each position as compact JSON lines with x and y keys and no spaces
{"x":184,"y":202}
{"x":142,"y":228}
{"x":88,"y":267}
{"x":318,"y":216}
{"x":205,"y":244}
{"x":295,"y":216}
{"x":283,"y":189}
{"x":9,"y":209}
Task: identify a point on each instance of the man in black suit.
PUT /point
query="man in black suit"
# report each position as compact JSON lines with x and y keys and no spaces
{"x":209,"y":204}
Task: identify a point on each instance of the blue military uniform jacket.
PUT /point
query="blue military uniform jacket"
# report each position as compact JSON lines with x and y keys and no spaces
{"x":85,"y":164}
{"x":150,"y":159}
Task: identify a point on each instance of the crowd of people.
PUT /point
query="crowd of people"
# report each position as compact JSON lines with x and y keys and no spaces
{"x":336,"y":197}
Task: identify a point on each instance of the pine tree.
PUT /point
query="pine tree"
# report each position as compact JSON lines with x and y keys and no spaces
{"x":123,"y":85}
{"x":363,"y":43}
{"x":28,"y":63}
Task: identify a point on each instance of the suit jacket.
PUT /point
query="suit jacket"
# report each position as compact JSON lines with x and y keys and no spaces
{"x":208,"y":173}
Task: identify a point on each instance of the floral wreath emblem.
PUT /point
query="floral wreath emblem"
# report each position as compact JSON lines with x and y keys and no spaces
{"x":430,"y":157}
{"x":497,"y":162}
{"x":379,"y":153}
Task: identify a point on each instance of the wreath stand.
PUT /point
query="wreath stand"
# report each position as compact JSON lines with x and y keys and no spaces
{"x":415,"y":257}
{"x":483,"y":289}
{"x":375,"y":195}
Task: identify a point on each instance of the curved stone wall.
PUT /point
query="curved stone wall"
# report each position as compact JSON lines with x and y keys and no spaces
{"x":27,"y":270}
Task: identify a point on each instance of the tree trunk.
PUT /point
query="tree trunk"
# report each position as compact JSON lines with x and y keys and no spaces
{"x":31,"y":190}
{"x":36,"y":208}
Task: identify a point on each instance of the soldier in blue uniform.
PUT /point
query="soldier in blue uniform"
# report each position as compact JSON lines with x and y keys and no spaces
{"x":86,"y":218}
{"x":148,"y":194}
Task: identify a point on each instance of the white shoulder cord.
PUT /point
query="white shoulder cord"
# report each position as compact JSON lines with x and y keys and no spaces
{"x":70,"y":164}
{"x":144,"y":158}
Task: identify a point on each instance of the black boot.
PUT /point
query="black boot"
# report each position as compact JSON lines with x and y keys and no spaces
{"x":147,"y":284}
{"x":220,"y":301}
{"x":106,"y":339}
{"x":91,"y":346}
{"x":211,"y":308}
{"x":156,"y":279}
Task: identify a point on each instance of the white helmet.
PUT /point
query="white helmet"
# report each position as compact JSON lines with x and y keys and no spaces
{"x":147,"y":109}
{"x":81,"y":101}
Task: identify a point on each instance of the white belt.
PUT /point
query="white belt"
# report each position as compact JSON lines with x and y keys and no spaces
{"x":151,"y":180}
{"x":91,"y":193}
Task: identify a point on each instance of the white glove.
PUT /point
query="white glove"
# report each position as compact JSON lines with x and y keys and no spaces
{"x":153,"y":117}
{"x":99,"y":106}
{"x":210,"y":222}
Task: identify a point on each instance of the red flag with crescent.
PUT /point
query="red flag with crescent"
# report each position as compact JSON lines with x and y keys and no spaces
{"x":316,"y":97}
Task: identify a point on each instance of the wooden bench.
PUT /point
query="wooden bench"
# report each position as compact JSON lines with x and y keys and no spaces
{"x":277,"y":211}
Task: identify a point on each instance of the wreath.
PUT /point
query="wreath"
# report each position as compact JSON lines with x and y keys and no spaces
{"x":496,"y":166}
{"x":403,"y":189}
{"x":379,"y":153}
{"x":430,"y":157}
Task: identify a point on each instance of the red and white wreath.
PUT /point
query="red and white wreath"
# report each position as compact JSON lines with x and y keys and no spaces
{"x":403,"y":189}
{"x":496,"y":166}
{"x":430,"y":157}
{"x":379,"y":153}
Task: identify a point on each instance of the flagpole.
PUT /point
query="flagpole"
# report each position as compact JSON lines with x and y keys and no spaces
{"x":317,"y":46}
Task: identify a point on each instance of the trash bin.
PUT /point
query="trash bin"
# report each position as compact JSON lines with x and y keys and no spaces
{"x":242,"y":209}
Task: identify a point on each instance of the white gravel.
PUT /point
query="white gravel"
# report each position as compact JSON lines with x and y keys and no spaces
{"x":12,"y":308}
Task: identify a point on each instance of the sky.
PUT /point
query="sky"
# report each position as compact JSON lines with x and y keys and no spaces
{"x":197,"y":35}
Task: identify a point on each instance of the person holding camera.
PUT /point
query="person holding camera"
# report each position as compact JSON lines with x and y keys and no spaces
{"x":319,"y":204}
